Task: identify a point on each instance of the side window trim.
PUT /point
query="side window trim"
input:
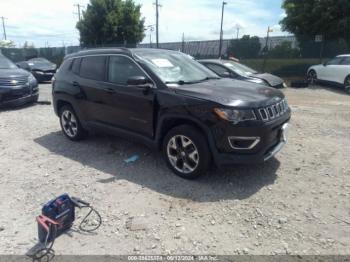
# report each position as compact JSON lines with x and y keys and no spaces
{"x":108,"y":55}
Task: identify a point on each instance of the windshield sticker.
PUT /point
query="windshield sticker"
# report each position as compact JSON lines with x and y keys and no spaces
{"x":229,"y":65}
{"x":161,"y":62}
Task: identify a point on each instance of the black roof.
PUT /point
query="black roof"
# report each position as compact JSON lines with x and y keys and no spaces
{"x":116,"y":50}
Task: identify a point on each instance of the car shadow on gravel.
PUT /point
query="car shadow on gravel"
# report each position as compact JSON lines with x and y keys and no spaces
{"x":329,"y":87}
{"x":107,"y":154}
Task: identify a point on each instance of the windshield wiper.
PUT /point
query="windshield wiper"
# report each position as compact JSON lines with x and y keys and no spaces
{"x":182,"y":82}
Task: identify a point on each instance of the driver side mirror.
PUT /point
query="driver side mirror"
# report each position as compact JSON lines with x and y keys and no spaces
{"x":139,"y":81}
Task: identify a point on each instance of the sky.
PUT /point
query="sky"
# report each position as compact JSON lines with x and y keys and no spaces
{"x":52,"y":22}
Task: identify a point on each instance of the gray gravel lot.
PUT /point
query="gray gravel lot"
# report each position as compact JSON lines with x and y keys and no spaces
{"x":297,"y":203}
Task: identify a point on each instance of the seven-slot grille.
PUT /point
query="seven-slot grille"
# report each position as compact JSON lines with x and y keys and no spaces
{"x":13,"y":81}
{"x":273,"y":111}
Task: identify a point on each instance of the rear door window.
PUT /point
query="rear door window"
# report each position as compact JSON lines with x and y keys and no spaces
{"x":93,"y":67}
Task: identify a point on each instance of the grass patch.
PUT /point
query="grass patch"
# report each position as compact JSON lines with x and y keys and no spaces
{"x":283,"y":67}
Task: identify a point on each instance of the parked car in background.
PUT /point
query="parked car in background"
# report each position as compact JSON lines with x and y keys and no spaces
{"x":17,"y":86}
{"x":42,"y":69}
{"x":336,"y":71}
{"x":235,"y":70}
{"x":171,"y":102}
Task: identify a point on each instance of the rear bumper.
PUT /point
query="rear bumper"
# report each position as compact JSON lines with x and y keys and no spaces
{"x":44,"y":77}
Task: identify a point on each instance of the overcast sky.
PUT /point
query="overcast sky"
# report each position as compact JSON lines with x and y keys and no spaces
{"x":52,"y":22}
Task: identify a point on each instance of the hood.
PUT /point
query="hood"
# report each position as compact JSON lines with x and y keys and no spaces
{"x":231,"y":92}
{"x":35,"y":66}
{"x":271,"y":79}
{"x":16,"y":72}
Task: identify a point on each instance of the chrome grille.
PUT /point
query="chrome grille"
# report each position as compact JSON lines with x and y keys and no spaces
{"x":13,"y":81}
{"x":273,"y":111}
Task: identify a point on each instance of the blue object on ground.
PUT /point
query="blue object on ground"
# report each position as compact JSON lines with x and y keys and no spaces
{"x":132,"y":159}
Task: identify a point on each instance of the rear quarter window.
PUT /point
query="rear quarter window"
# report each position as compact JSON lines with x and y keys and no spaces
{"x":65,"y":65}
{"x":75,"y":66}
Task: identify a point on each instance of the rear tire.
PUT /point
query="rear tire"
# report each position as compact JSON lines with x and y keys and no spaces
{"x":347,"y":84}
{"x":70,"y":124}
{"x":312,"y":77}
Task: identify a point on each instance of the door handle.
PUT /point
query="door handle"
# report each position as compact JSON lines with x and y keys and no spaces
{"x":110,"y":90}
{"x":76,"y":84}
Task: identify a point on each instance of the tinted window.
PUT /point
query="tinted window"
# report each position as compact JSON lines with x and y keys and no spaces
{"x":76,"y":65}
{"x":66,"y":65}
{"x":220,"y":70}
{"x":93,"y":67}
{"x":335,"y":61}
{"x":346,"y":61}
{"x":121,"y":69}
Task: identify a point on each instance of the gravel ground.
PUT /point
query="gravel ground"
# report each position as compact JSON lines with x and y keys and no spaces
{"x":297,"y":203}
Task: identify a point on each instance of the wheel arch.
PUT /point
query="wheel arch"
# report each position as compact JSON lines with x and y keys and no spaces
{"x":60,"y":103}
{"x":167,"y":122}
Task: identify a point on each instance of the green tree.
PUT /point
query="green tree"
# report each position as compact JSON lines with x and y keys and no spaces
{"x":7,"y":44}
{"x":284,"y":50}
{"x":111,"y":22}
{"x":246,"y":47}
{"x":306,"y":19}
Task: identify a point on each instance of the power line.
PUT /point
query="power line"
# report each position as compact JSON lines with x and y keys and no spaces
{"x":3,"y":26}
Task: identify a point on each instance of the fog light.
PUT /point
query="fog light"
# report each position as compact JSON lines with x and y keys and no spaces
{"x":243,"y":143}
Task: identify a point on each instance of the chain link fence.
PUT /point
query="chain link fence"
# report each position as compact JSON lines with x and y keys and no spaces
{"x":282,"y":56}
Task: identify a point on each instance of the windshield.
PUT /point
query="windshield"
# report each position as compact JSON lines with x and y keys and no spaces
{"x":175,"y":67}
{"x":240,"y":69}
{"x":6,"y":63}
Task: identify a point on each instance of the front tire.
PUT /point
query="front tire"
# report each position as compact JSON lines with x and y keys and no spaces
{"x":70,"y":124}
{"x":312,"y":77}
{"x":186,"y":152}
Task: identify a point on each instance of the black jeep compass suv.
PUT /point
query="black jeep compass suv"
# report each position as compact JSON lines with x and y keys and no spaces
{"x":170,"y":102}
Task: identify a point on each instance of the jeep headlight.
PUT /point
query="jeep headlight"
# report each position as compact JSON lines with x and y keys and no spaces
{"x":235,"y":115}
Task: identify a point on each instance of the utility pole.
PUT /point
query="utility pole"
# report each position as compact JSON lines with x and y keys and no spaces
{"x":157,"y":22}
{"x":183,"y":43}
{"x":79,"y":6}
{"x":3,"y":26}
{"x":221,"y":32}
{"x":266,"y":47}
{"x":151,"y":29}
{"x":237,"y":28}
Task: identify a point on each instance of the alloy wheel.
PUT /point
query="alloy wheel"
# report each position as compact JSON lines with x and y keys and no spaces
{"x":69,"y":123}
{"x":183,"y":154}
{"x":312,"y":77}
